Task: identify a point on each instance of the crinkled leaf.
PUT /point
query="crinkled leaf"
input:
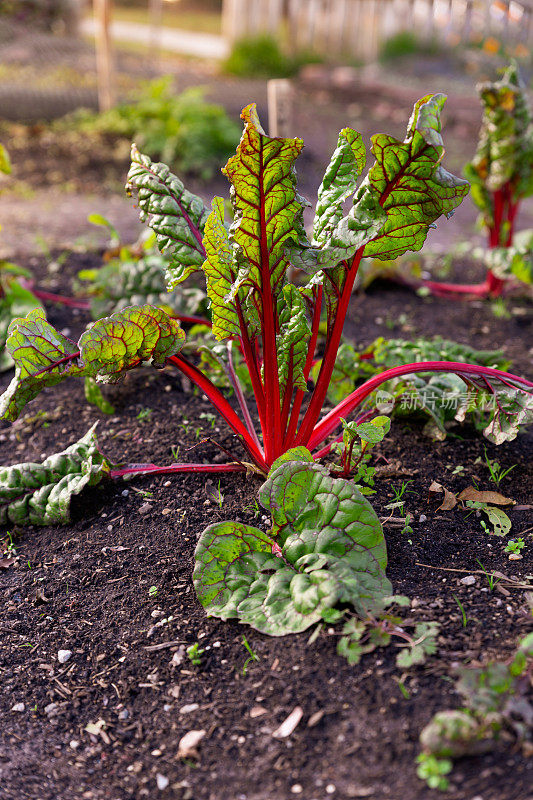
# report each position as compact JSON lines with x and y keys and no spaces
{"x":43,"y":357}
{"x":129,"y":281}
{"x":331,"y":550}
{"x":176,"y":216}
{"x":410,"y":184}
{"x":359,"y":227}
{"x":267,"y":209}
{"x":293,"y":338}
{"x":40,"y":494}
{"x":220,"y":272}
{"x":126,"y":339}
{"x":339,"y":182}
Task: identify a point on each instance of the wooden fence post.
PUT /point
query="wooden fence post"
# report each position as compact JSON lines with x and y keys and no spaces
{"x":280,"y":96}
{"x":104,"y":58}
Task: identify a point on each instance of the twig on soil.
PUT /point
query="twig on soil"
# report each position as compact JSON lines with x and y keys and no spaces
{"x":509,"y":581}
{"x":163,"y":645}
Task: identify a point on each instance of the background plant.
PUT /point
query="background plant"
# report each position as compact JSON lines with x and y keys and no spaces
{"x":262,"y":57}
{"x":183,"y":129}
{"x":496,"y":707}
{"x":501,"y":174}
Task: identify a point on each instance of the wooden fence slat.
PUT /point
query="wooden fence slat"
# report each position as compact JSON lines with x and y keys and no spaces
{"x":104,"y":59}
{"x":358,"y":27}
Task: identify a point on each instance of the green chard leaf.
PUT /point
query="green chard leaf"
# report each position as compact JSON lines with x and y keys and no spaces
{"x":293,"y":339}
{"x":43,"y":357}
{"x":325,"y":547}
{"x":176,"y":216}
{"x":339,"y":182}
{"x":40,"y":494}
{"x":268,"y":212}
{"x":410,"y":184}
{"x":15,"y":301}
{"x":220,"y":272}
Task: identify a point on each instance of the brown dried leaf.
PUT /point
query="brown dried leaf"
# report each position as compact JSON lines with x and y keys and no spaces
{"x":495,"y":498}
{"x":450,"y":500}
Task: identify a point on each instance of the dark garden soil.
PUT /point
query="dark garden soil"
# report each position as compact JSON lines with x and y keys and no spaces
{"x":85,"y":587}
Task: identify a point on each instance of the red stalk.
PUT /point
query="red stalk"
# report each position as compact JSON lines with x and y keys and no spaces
{"x":298,"y":398}
{"x":271,"y":439}
{"x":439,"y":288}
{"x":222,"y":406}
{"x":192,"y":320}
{"x":328,"y":424}
{"x":60,"y":299}
{"x":240,"y":396}
{"x":152,"y":469}
{"x":319,"y":394}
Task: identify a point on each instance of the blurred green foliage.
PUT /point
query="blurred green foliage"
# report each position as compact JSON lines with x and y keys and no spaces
{"x":184,"y":130}
{"x":261,"y":57}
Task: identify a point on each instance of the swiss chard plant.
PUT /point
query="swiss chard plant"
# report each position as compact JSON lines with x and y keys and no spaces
{"x":501,"y":174}
{"x":256,"y":307}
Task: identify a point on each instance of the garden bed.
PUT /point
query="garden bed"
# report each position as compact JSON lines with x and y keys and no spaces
{"x":88,"y":587}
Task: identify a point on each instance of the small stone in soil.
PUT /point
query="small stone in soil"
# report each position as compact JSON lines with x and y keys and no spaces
{"x":162,"y":782}
{"x":189,"y":708}
{"x":63,"y":656}
{"x":468,"y":580}
{"x":19,"y":707}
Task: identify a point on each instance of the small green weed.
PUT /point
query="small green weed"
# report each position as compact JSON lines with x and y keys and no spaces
{"x":144,"y":414}
{"x":514,"y":546}
{"x":251,"y":657}
{"x":433,"y":770}
{"x":194,"y":654}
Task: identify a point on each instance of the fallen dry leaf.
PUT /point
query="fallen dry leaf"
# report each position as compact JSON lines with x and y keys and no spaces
{"x":188,"y":744}
{"x":495,"y":498}
{"x":450,"y":500}
{"x":289,"y":725}
{"x":5,"y":563}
